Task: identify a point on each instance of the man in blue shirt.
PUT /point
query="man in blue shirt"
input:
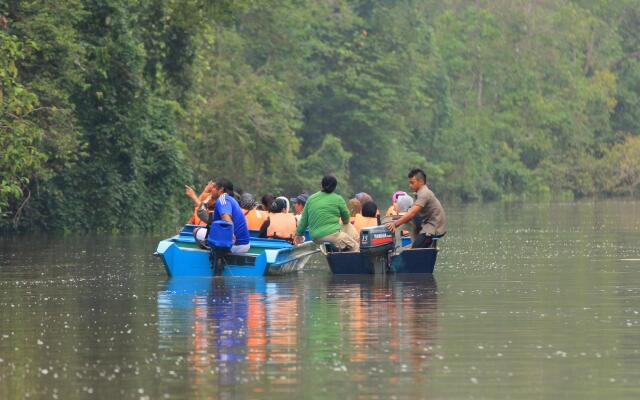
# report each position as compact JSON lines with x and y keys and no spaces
{"x":228,"y":209}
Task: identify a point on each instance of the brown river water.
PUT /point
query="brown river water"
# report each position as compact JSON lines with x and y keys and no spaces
{"x":528,"y":301}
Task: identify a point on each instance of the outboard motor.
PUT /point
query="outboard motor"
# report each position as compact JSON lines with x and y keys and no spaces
{"x":376,"y":242}
{"x":220,"y":240}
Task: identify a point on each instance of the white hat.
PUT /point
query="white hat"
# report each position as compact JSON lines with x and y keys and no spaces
{"x":404,"y":203}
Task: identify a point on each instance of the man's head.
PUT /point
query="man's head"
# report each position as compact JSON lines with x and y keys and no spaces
{"x":417,"y":179}
{"x":369,"y":209}
{"x":220,"y":186}
{"x":299,"y":202}
{"x":329,"y":183}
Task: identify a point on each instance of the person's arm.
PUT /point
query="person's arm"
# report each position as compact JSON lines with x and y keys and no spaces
{"x":413,"y":211}
{"x":302,"y":225}
{"x":188,"y":190}
{"x":204,"y":214}
{"x":263,"y":228}
{"x":344,"y":213}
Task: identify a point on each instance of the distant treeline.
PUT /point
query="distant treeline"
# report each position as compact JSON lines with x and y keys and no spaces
{"x":108,"y":107}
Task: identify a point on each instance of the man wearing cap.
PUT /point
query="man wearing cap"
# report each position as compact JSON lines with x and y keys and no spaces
{"x":432,"y":219}
{"x":299,"y":203}
{"x":323,"y":213}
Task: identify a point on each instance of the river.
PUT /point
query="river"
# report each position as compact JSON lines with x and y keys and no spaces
{"x":528,"y":301}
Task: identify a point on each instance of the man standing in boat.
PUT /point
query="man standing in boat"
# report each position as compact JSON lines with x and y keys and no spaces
{"x":322,"y":214}
{"x":431,"y":222}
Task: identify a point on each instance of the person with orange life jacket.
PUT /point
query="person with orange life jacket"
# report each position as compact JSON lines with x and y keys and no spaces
{"x":279,"y":224}
{"x":205,"y":199}
{"x":367,"y":218}
{"x":255,"y":218}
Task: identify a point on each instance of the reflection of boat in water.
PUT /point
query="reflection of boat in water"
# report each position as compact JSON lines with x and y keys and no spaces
{"x":377,"y":256}
{"x":182,"y":256}
{"x":229,"y":325}
{"x":399,"y":310}
{"x":232,"y":335}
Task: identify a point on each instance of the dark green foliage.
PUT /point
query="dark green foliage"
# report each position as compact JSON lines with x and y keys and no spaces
{"x":107,"y":108}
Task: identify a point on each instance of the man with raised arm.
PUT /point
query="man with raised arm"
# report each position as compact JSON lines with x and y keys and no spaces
{"x":432,"y":222}
{"x":226,"y":208}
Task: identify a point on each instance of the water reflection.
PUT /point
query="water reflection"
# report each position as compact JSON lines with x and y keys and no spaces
{"x":252,"y":331}
{"x":397,"y":313}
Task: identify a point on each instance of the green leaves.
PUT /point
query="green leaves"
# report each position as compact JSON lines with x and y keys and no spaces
{"x":108,"y":107}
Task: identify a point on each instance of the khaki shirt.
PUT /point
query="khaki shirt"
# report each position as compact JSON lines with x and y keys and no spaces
{"x":434,"y":221}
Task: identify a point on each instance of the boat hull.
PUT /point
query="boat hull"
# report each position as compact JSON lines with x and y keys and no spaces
{"x":182,"y":256}
{"x":413,"y":261}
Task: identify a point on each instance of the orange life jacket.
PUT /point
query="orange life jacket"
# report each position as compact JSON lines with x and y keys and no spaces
{"x":255,"y":218}
{"x":364,"y":222}
{"x":282,"y":226}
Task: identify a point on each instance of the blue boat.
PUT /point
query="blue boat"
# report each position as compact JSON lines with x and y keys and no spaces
{"x":376,"y":256}
{"x":182,"y":256}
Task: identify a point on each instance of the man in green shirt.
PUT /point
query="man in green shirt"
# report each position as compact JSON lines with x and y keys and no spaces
{"x":322,"y":214}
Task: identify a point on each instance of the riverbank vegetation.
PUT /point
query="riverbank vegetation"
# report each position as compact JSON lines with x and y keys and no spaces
{"x":108,"y":107}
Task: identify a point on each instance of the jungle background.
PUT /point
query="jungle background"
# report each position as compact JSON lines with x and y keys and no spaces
{"x":107,"y":108}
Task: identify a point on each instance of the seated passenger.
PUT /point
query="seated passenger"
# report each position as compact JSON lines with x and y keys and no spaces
{"x":279,"y":225}
{"x":226,"y":208}
{"x":205,"y":200}
{"x":355,"y":208}
{"x":367,"y":218}
{"x":323,"y":214}
{"x":255,"y":218}
{"x":392,"y":208}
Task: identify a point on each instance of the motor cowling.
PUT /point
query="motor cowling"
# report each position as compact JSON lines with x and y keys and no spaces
{"x":220,"y":235}
{"x":378,"y":239}
{"x":220,"y":240}
{"x":376,"y":243}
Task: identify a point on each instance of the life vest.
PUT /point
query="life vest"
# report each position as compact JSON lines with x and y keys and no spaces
{"x":364,"y":222}
{"x":255,"y":218}
{"x":282,"y":226}
{"x":195,"y":220}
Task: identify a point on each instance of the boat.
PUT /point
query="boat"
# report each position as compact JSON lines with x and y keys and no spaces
{"x":182,"y":256}
{"x":378,"y":255}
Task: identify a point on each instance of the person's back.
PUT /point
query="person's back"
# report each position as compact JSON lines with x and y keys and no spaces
{"x":361,"y":221}
{"x":282,"y":226}
{"x":279,"y":224}
{"x":255,"y":218}
{"x":322,"y":215}
{"x":367,"y":218}
{"x":226,"y":204}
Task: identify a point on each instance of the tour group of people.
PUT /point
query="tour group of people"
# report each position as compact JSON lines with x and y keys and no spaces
{"x":325,"y":214}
